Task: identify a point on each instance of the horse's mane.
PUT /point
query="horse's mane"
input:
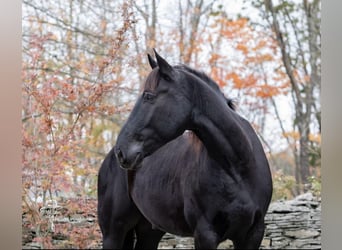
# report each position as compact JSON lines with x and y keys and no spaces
{"x":207,"y":79}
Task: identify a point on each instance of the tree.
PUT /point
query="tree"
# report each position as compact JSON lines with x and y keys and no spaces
{"x":190,"y":32}
{"x":72,"y":64}
{"x":296,"y":27}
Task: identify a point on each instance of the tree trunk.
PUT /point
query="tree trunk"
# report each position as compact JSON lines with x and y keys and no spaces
{"x":304,"y":152}
{"x":303,"y":90}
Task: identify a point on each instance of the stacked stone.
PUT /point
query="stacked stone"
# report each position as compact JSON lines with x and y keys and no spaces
{"x":170,"y":241}
{"x":294,"y":224}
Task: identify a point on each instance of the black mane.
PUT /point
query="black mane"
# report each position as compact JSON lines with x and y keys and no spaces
{"x":153,"y":79}
{"x":203,"y":76}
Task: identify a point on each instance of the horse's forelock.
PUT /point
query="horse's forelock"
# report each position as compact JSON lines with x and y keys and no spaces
{"x":152,"y":80}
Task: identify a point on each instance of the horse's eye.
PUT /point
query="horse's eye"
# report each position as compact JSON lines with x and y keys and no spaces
{"x":148,"y":96}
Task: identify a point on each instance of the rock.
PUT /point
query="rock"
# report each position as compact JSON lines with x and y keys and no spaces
{"x":303,"y":244}
{"x":302,"y":234}
{"x":287,"y":207}
{"x":280,"y":207}
{"x":304,"y":197}
{"x":32,"y":245}
{"x":59,"y":236}
{"x":266,"y":243}
{"x":226,"y":245}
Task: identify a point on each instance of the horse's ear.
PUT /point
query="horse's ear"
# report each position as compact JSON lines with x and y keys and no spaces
{"x":164,"y":67}
{"x":151,"y":61}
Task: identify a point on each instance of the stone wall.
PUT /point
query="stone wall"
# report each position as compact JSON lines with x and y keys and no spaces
{"x":292,"y":224}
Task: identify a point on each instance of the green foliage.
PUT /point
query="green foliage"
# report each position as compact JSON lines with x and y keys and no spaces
{"x":283,"y":186}
{"x":315,"y":185}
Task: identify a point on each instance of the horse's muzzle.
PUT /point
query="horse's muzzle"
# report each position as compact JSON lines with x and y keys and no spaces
{"x":131,"y":159}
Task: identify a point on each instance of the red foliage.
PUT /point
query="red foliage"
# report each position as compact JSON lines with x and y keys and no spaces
{"x":69,"y":78}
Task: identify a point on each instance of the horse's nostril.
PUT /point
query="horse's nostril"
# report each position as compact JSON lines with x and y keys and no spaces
{"x":119,"y":153}
{"x":130,"y":158}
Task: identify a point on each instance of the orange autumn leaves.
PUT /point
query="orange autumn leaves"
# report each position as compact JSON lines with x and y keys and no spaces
{"x":248,"y":60}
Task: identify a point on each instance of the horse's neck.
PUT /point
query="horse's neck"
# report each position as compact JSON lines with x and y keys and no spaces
{"x":221,"y":130}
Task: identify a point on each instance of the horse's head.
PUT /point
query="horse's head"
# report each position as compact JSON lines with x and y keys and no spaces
{"x":163,"y":111}
{"x":160,"y":114}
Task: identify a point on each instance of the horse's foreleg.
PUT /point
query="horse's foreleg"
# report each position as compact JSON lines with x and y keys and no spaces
{"x":118,"y":237}
{"x":113,"y":241}
{"x":253,"y":238}
{"x":205,"y":237}
{"x":129,"y":240}
{"x":147,"y":238}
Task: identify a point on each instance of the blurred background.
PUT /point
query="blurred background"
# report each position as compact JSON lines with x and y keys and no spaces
{"x":83,"y":63}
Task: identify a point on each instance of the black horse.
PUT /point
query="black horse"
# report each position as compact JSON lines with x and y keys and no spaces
{"x":119,"y":217}
{"x":216,"y":190}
